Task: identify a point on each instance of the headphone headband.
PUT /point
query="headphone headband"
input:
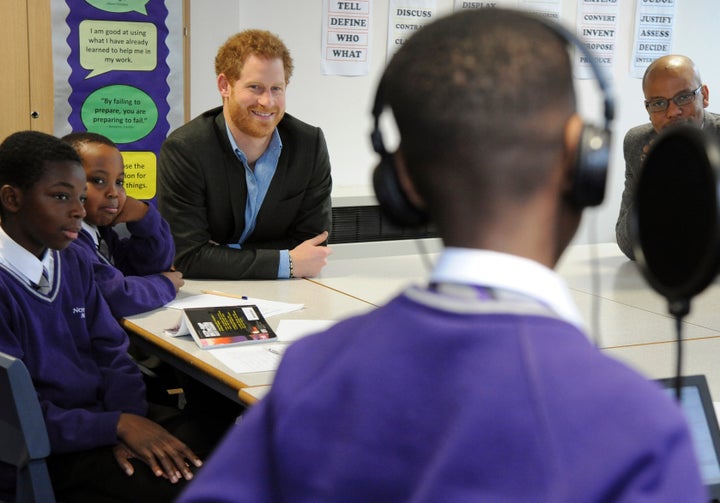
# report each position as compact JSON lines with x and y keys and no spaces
{"x":591,"y":163}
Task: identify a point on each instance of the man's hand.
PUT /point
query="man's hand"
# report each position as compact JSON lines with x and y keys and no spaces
{"x":146,"y":440}
{"x":309,"y":257}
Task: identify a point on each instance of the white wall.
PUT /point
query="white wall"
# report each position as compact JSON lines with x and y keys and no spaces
{"x":341,"y":105}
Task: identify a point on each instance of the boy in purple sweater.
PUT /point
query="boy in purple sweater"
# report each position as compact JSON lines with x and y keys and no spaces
{"x":480,"y":386}
{"x":134,"y":273}
{"x":107,"y":444}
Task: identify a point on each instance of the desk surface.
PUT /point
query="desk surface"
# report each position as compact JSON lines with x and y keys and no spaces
{"x":621,"y":282}
{"x":363,"y":271}
{"x":147,"y":329}
{"x":630,"y":311}
{"x":253,"y":394}
{"x":633,"y":320}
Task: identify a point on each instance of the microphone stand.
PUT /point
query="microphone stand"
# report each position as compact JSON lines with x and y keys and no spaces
{"x":679,"y":308}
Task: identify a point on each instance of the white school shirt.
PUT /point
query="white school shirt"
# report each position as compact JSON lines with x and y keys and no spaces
{"x":467,"y":266}
{"x":22,"y":263}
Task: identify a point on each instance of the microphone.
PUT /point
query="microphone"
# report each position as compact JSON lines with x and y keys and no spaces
{"x":674,"y":223}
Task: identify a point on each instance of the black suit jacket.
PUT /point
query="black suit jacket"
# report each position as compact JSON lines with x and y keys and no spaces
{"x":202,"y":194}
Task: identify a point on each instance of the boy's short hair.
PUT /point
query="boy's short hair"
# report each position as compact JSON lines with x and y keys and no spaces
{"x":476,"y":95}
{"x":82,"y":137}
{"x":24,"y":156}
{"x":237,"y":49}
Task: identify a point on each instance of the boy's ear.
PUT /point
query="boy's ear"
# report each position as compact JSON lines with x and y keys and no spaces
{"x":10,"y":198}
{"x":571,"y":146}
{"x":406,"y":183}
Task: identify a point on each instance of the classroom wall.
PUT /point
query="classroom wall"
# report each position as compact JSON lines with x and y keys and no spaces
{"x":341,"y":105}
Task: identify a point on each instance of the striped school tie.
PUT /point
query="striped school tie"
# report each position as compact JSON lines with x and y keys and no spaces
{"x":43,"y":285}
{"x":103,"y":247}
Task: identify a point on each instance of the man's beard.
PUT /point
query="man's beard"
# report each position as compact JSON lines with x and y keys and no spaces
{"x":248,"y":124}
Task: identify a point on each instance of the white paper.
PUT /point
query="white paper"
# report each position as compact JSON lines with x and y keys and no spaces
{"x":346,"y":28}
{"x":547,"y":8}
{"x":472,"y":4}
{"x":405,"y":17}
{"x":292,"y":330}
{"x":550,"y":9}
{"x":180,"y":329}
{"x":654,"y":31}
{"x":267,"y":307}
{"x":266,"y":356}
{"x":260,"y":357}
{"x":597,"y":27}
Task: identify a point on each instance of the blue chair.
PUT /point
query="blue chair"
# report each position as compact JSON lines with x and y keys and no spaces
{"x":23,"y":437}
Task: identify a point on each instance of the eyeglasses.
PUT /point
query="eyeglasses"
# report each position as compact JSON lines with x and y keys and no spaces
{"x":680,"y":99}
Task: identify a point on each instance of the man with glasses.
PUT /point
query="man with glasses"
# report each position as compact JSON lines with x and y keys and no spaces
{"x":674,"y":95}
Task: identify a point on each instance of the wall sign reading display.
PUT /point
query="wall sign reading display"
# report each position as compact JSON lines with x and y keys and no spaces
{"x":113,"y":78}
{"x":545,"y":8}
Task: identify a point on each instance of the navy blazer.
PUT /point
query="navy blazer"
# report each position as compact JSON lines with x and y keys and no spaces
{"x":202,"y":193}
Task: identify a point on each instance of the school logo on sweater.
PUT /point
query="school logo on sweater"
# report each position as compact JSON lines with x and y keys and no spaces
{"x":80,"y":311}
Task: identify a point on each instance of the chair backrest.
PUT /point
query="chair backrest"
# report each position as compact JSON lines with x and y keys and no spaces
{"x":23,"y":437}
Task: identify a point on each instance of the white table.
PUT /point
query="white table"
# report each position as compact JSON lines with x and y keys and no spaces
{"x":634,"y":323}
{"x":633,"y":320}
{"x":147,"y":329}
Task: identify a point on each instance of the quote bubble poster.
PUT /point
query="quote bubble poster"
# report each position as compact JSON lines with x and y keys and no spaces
{"x":116,"y":68}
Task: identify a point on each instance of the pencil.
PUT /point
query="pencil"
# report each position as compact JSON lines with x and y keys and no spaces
{"x":215,"y":292}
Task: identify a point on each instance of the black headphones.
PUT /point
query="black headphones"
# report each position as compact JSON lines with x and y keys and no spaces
{"x":591,"y":164}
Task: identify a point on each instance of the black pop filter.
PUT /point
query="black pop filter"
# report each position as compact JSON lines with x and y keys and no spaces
{"x":674,"y":223}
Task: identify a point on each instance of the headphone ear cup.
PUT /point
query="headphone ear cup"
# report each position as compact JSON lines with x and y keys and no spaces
{"x":591,"y":166}
{"x":393,"y":201}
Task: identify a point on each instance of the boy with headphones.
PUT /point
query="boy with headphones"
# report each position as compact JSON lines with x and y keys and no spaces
{"x":480,"y":386}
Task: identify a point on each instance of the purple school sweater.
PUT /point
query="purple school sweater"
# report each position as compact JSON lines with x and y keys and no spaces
{"x":133,"y":284}
{"x":148,"y":250}
{"x":432,"y":399}
{"x":76,"y":353}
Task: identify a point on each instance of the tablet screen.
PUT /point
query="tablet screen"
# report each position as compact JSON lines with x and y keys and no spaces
{"x":700,"y":414}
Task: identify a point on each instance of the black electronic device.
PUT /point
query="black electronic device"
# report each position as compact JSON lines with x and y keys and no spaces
{"x":590,"y":171}
{"x":697,"y":405}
